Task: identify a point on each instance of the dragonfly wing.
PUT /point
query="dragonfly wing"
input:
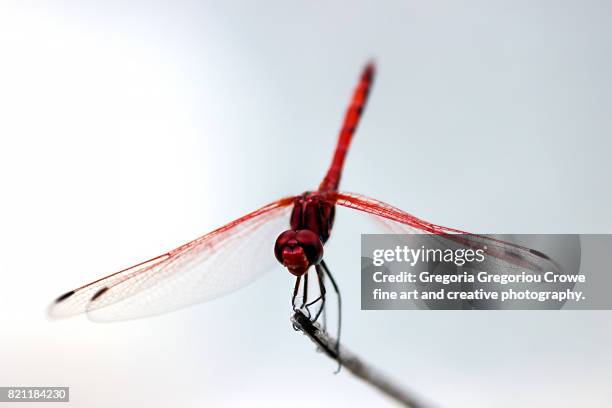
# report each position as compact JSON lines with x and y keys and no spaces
{"x":213,"y":265}
{"x":502,"y":255}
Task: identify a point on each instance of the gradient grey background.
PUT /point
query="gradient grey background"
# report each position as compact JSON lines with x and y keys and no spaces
{"x":130,"y":127}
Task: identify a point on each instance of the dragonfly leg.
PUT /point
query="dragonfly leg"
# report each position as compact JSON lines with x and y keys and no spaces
{"x":324,"y":309}
{"x":320,"y":277}
{"x":335,"y":285}
{"x":295,"y":292}
{"x":303,"y":306}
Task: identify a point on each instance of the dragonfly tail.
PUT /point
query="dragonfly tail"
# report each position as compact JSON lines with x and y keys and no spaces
{"x":351,"y":120}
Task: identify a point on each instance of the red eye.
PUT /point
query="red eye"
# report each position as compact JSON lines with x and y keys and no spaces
{"x":312,"y":245}
{"x":286,"y":239}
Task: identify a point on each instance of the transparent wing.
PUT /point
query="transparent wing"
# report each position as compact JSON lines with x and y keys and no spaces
{"x":502,"y":255}
{"x":213,"y":265}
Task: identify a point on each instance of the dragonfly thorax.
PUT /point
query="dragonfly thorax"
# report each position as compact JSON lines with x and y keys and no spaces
{"x":313,"y":212}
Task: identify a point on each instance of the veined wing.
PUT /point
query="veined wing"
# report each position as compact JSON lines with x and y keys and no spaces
{"x":213,"y":265}
{"x":503,"y":255}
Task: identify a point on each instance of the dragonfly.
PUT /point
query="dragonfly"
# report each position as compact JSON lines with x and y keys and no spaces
{"x":243,"y":250}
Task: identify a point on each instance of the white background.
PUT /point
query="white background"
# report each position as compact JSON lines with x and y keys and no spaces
{"x":128,"y":128}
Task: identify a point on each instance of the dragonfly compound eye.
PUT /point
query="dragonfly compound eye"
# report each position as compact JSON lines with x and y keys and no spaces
{"x":298,"y":249}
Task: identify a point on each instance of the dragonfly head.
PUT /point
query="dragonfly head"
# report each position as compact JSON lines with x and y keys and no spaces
{"x":297,"y":250}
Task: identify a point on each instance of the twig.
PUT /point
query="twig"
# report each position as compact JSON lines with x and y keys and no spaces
{"x":351,"y":362}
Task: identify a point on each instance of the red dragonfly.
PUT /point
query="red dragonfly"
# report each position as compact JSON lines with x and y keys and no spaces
{"x":237,"y":253}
